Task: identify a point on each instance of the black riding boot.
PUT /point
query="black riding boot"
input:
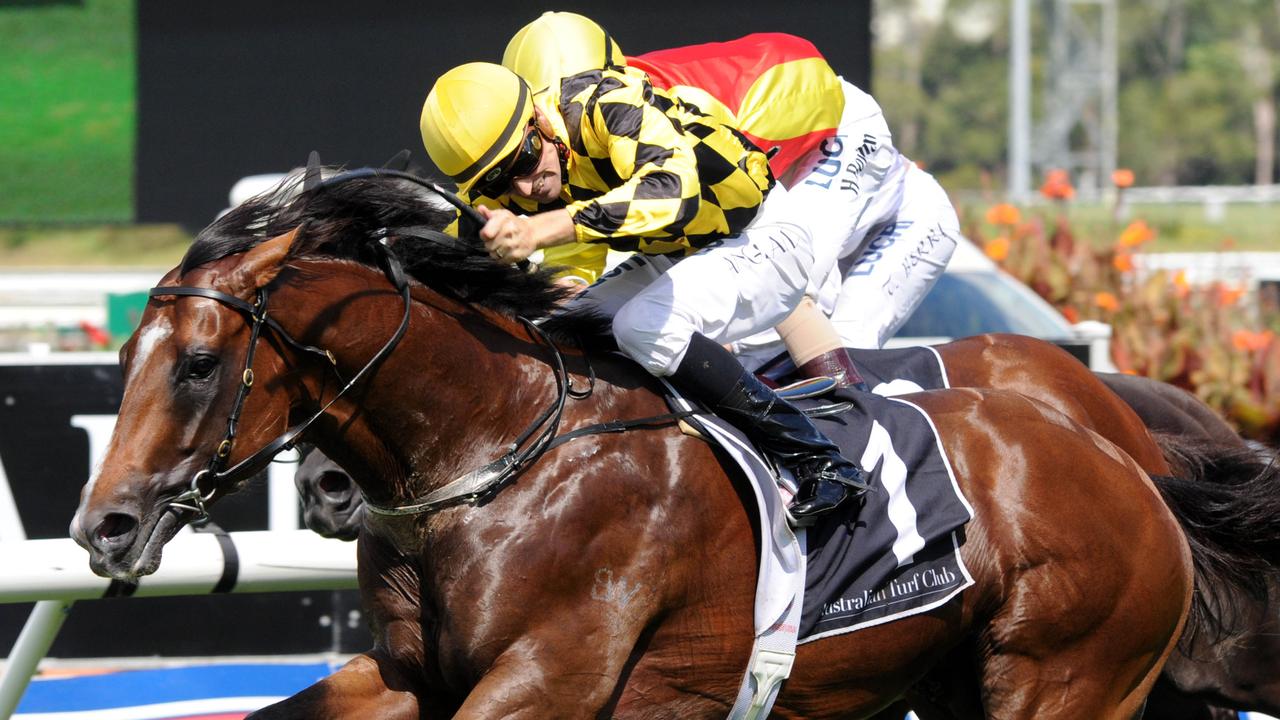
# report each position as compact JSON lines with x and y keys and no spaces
{"x":711,"y":374}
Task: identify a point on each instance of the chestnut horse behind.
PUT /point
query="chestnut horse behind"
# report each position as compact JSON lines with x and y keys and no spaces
{"x":612,"y":575}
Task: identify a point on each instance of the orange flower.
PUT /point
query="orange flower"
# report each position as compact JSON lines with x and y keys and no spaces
{"x":1057,"y":186}
{"x":1003,"y":214}
{"x":1182,"y":288}
{"x":1123,"y":262}
{"x":1071,"y":314}
{"x":1228,"y":295}
{"x":1122,"y":177}
{"x":1107,"y":301}
{"x":1136,"y":234}
{"x":997,"y":248}
{"x":1249,"y":341}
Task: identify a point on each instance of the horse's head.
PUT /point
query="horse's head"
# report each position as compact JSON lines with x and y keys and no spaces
{"x":186,"y":369}
{"x":331,"y":501}
{"x":215,"y":384}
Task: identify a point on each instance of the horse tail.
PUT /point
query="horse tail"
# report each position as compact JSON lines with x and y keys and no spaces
{"x":1227,"y":500}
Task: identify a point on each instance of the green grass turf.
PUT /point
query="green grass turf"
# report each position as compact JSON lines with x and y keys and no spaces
{"x":1179,"y":228}
{"x":151,"y":246}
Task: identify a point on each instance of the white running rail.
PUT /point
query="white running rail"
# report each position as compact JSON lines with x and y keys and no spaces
{"x":54,"y":573}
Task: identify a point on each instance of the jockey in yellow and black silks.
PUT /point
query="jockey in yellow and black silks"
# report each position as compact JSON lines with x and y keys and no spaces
{"x":604,"y":157}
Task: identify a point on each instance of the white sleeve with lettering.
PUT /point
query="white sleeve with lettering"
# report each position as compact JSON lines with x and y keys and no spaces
{"x":850,"y":185}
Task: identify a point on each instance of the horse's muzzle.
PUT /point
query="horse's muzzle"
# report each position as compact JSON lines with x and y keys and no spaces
{"x":122,"y":544}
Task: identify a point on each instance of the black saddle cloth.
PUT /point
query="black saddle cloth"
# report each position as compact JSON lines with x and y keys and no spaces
{"x":898,"y":554}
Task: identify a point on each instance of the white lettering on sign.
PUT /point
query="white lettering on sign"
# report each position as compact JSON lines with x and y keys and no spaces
{"x":99,"y":429}
{"x":11,"y":529}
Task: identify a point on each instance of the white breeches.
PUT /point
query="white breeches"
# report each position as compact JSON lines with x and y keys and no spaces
{"x":747,"y":283}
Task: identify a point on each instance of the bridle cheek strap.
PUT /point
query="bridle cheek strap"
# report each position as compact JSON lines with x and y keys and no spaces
{"x":206,"y":483}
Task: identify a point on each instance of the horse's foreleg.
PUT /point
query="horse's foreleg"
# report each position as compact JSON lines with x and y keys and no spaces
{"x":528,"y":690}
{"x":366,"y":687}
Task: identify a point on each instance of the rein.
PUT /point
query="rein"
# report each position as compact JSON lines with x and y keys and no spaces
{"x":195,"y":498}
{"x":469,"y":488}
{"x":486,"y":480}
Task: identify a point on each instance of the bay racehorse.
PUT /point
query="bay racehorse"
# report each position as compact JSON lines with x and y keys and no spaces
{"x":1238,"y":669}
{"x":1236,"y":665}
{"x":612,"y":575}
{"x":1215,"y":675}
{"x":1021,"y":364}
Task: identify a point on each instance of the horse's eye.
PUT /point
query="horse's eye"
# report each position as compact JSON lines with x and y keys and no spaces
{"x":201,"y":367}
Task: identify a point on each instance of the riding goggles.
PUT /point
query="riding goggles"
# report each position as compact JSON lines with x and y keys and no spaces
{"x":522,"y":161}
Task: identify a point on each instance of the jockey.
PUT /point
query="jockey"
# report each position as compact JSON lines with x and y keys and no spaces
{"x":883,"y":229}
{"x":604,"y":157}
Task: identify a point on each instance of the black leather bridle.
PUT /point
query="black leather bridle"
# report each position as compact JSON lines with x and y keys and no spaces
{"x":207,"y":482}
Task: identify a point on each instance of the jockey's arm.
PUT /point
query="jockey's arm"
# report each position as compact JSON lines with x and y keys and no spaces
{"x":874,"y":176}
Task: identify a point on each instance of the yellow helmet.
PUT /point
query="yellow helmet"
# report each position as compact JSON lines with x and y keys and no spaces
{"x":474,"y":117}
{"x":557,"y":45}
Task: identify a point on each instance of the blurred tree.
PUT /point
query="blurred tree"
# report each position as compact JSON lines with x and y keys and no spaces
{"x":1259,"y":47}
{"x":939,"y":72}
{"x":1198,"y":87}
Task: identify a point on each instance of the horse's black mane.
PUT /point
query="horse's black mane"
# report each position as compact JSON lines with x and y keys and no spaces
{"x":344,"y":220}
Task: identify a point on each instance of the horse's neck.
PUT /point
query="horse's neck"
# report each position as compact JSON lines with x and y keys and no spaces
{"x":459,"y":388}
{"x":492,"y":382}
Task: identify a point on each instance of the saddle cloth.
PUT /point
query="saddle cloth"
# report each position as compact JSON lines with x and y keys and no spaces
{"x":898,"y":554}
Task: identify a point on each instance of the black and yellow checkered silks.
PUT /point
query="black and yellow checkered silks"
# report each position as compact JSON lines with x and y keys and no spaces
{"x":645,"y":172}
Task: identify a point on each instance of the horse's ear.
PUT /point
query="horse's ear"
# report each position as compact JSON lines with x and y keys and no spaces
{"x":399,"y":161}
{"x":311,"y":179}
{"x":261,"y":264}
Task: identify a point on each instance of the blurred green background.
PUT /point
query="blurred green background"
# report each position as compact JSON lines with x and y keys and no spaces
{"x":67,"y":112}
{"x":67,"y":116}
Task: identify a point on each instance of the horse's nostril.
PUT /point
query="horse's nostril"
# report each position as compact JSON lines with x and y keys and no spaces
{"x":335,"y":483}
{"x":114,"y":527}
